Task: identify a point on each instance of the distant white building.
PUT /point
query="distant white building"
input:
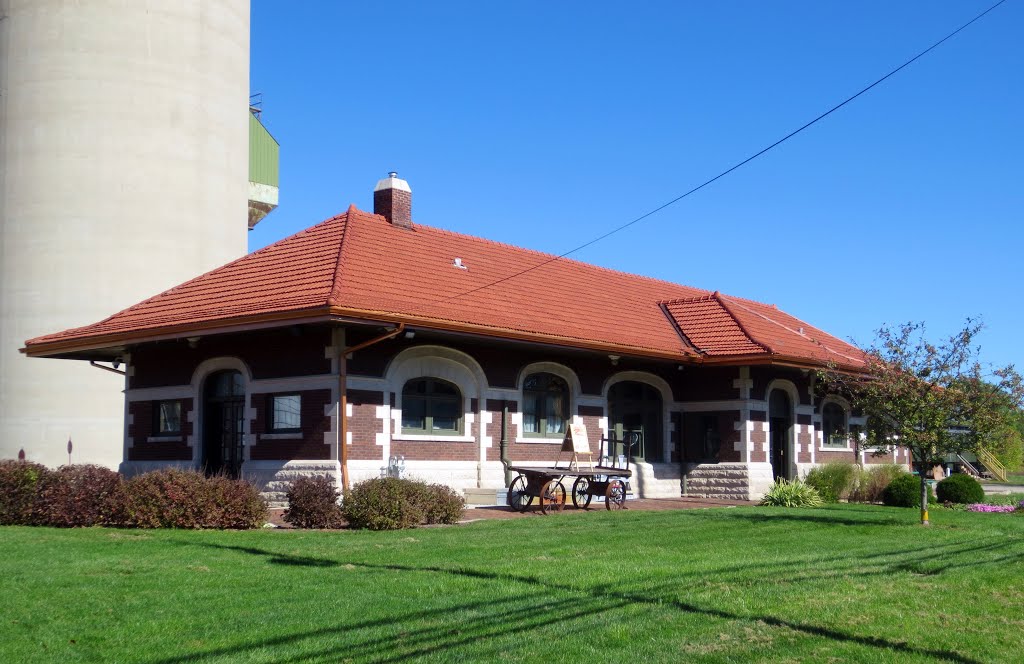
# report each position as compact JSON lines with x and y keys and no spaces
{"x":124,"y":168}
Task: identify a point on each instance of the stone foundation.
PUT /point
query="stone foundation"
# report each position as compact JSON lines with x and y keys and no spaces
{"x":656,"y":480}
{"x":727,"y":481}
{"x":273,"y":478}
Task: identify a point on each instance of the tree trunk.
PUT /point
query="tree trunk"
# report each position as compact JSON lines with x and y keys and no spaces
{"x":924,"y":497}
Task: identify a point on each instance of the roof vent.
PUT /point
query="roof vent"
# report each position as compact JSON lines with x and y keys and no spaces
{"x":392,"y":198}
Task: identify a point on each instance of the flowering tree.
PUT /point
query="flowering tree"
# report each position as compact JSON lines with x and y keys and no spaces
{"x":933,"y":399}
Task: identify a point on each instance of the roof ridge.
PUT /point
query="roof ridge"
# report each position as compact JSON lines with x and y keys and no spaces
{"x":688,"y":300}
{"x":205,"y":275}
{"x":739,"y":301}
{"x":679,"y":330}
{"x":743,"y":328}
{"x":334,"y":297}
{"x":556,"y":257}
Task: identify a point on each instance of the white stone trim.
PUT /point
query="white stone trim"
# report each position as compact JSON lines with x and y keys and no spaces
{"x":725,"y":404}
{"x":744,"y":383}
{"x":667,"y":403}
{"x":160,"y":393}
{"x":164,"y":439}
{"x":292,"y":435}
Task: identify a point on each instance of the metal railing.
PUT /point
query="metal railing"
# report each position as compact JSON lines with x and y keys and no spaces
{"x":992,"y":464}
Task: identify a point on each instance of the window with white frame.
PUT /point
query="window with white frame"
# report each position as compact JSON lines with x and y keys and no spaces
{"x":833,"y":425}
{"x":431,"y":406}
{"x":285,"y":413}
{"x":545,"y":405}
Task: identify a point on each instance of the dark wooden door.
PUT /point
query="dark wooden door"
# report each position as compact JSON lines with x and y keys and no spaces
{"x":780,"y":420}
{"x":223,"y":424}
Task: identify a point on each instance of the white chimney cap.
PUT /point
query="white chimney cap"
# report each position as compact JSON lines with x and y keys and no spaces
{"x":392,"y":181}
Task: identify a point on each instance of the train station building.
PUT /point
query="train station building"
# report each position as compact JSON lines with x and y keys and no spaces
{"x":369,"y":337}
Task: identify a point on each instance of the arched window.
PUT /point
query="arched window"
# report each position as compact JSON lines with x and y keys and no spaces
{"x":545,"y":405}
{"x":833,"y":425}
{"x":431,"y":406}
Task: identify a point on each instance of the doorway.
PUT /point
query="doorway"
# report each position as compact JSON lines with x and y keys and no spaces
{"x":637,"y":420}
{"x":780,"y":421}
{"x":223,"y":423}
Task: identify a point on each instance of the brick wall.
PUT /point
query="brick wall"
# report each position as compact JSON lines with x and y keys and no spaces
{"x":364,"y":425}
{"x":295,"y":351}
{"x":173,"y":448}
{"x":314,"y":424}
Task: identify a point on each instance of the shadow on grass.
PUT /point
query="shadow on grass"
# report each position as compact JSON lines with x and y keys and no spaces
{"x":552,"y":603}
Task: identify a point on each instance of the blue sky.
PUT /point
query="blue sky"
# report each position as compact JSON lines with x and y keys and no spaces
{"x":546,"y":124}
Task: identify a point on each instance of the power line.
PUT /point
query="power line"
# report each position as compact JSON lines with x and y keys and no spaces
{"x":734,"y":167}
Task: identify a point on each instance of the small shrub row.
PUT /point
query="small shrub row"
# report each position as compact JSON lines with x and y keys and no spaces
{"x":389,"y":503}
{"x":784,"y":493}
{"x":173,"y":498}
{"x":840,"y":480}
{"x":88,"y":495}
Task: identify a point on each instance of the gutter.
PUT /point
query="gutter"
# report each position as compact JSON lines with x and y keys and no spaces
{"x":92,"y":363}
{"x":343,"y":354}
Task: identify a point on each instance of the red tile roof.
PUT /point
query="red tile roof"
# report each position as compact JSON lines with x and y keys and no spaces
{"x":721,"y":325}
{"x":358,"y":265}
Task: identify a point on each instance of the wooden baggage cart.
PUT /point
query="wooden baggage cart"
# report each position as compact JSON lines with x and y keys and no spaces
{"x":606,"y":480}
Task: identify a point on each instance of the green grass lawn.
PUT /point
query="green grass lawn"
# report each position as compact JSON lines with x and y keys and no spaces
{"x":837,"y":584}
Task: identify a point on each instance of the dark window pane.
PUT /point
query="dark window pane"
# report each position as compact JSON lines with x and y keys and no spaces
{"x":446,"y":414}
{"x":286,"y":412}
{"x":555,"y":412}
{"x":169,"y":417}
{"x":441,"y":387}
{"x":414,"y":413}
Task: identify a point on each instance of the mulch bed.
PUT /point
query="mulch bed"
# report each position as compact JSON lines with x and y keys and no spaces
{"x":503,"y":512}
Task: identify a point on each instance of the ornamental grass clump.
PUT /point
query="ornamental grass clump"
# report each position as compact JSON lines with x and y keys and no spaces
{"x":791,"y":494}
{"x":869,"y":483}
{"x":832,"y":480}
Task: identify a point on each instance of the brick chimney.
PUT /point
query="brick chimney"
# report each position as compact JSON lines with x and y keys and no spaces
{"x":392,"y":198}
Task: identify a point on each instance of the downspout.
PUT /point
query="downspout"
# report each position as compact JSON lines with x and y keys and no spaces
{"x":343,"y":354}
{"x":503,"y":443}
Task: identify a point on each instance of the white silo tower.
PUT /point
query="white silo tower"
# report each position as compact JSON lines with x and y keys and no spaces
{"x":124,"y":138}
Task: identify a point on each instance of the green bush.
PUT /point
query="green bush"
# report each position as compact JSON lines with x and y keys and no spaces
{"x":313,"y":503}
{"x":960,"y":488}
{"x":19,"y":481}
{"x":832,"y":480}
{"x":173,"y":498}
{"x":388,"y":503}
{"x":869,"y":483}
{"x":791,"y":494}
{"x":385,"y":503}
{"x":905,"y":491}
{"x":79,"y":496}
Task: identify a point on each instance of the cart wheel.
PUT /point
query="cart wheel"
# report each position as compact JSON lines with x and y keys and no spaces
{"x":518,"y":499}
{"x":581,"y":493}
{"x":552,"y":497}
{"x":615,"y":496}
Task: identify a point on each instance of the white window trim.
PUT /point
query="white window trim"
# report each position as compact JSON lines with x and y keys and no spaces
{"x":291,"y":435}
{"x":436,"y":438}
{"x":173,"y":438}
